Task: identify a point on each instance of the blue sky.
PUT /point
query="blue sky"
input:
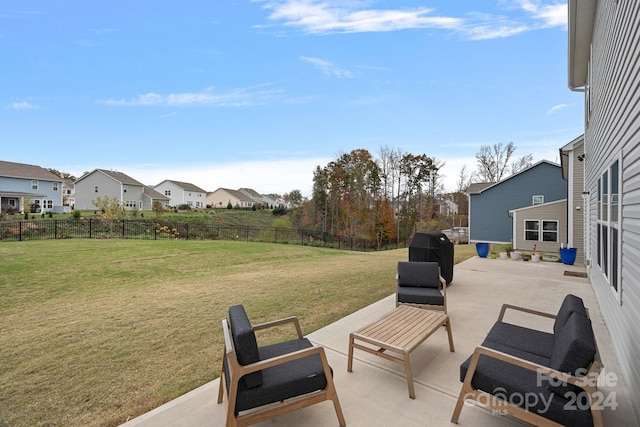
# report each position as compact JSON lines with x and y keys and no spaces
{"x":257,"y":93}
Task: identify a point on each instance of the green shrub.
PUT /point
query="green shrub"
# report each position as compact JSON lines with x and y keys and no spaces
{"x":279,"y":211}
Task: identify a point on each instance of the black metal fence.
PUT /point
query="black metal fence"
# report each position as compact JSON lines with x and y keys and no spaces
{"x":98,"y":228}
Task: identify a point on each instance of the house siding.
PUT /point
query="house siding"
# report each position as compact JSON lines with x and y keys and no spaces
{"x":18,"y":177}
{"x":223,"y":196}
{"x":85,"y":194}
{"x":612,"y":131}
{"x":489,"y":219}
{"x":554,"y":211}
{"x":182,"y":193}
{"x":576,"y":209}
{"x":107,"y":187}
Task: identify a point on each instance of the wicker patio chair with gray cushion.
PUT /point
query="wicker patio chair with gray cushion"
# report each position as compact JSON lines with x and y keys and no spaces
{"x":260,"y":383}
{"x":420,"y":284}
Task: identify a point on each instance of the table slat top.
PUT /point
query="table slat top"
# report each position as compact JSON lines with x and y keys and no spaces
{"x":404,"y":328}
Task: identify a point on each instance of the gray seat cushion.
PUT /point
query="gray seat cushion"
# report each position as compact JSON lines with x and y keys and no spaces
{"x":418,"y":295}
{"x":284,"y":381}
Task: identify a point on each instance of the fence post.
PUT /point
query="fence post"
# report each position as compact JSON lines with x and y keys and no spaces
{"x":20,"y":231}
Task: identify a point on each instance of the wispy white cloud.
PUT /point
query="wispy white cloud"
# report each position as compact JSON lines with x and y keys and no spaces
{"x":86,"y":43}
{"x":557,"y":108}
{"x":339,"y":17}
{"x":492,"y":31}
{"x":546,"y":15}
{"x":89,"y":42}
{"x":166,"y":116}
{"x":22,"y":105}
{"x":335,"y":16}
{"x":240,"y":97}
{"x":328,"y":68}
{"x":103,"y":31}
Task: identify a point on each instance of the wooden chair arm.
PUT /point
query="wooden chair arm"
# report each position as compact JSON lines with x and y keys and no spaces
{"x":587,"y":382}
{"x":279,"y":322}
{"x":279,"y":360}
{"x":523,"y":309}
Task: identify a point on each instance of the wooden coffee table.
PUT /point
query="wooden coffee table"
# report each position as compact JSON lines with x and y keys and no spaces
{"x":397,"y":334}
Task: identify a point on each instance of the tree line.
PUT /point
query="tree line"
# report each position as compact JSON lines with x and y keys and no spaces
{"x":393,"y":195}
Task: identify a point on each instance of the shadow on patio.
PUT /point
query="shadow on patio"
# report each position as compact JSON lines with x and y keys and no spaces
{"x":375,"y":393}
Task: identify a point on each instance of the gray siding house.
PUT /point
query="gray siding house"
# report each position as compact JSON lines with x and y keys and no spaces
{"x":24,"y":185}
{"x":604,"y":48}
{"x":489,"y":207}
{"x":109,"y":183}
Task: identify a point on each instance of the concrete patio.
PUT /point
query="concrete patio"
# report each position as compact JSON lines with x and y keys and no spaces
{"x":376,"y":393}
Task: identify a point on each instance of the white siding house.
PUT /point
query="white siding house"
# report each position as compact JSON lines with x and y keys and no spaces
{"x":604,"y":47}
{"x":182,"y":193}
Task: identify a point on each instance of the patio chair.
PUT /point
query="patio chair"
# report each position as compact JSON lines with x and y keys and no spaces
{"x":420,"y":284}
{"x":260,"y":383}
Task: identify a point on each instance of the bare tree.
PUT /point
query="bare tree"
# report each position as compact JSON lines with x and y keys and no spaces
{"x":521,"y":164}
{"x":493,"y":162}
{"x":464,"y":179}
{"x":389,"y":163}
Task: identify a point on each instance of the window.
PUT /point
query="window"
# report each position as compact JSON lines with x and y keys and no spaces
{"x":125,"y":188}
{"x":549,"y":231}
{"x":532,"y":230}
{"x":95,"y":189}
{"x":167,"y":192}
{"x":541,"y":230}
{"x":538,"y":200}
{"x":34,"y":184}
{"x":608,"y":224}
{"x":54,"y":186}
{"x":48,"y":204}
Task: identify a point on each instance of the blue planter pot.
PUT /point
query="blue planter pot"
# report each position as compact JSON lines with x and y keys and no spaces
{"x":482,"y":249}
{"x":568,"y":255}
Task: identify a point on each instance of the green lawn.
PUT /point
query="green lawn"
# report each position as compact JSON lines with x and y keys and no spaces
{"x":94,"y":332}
